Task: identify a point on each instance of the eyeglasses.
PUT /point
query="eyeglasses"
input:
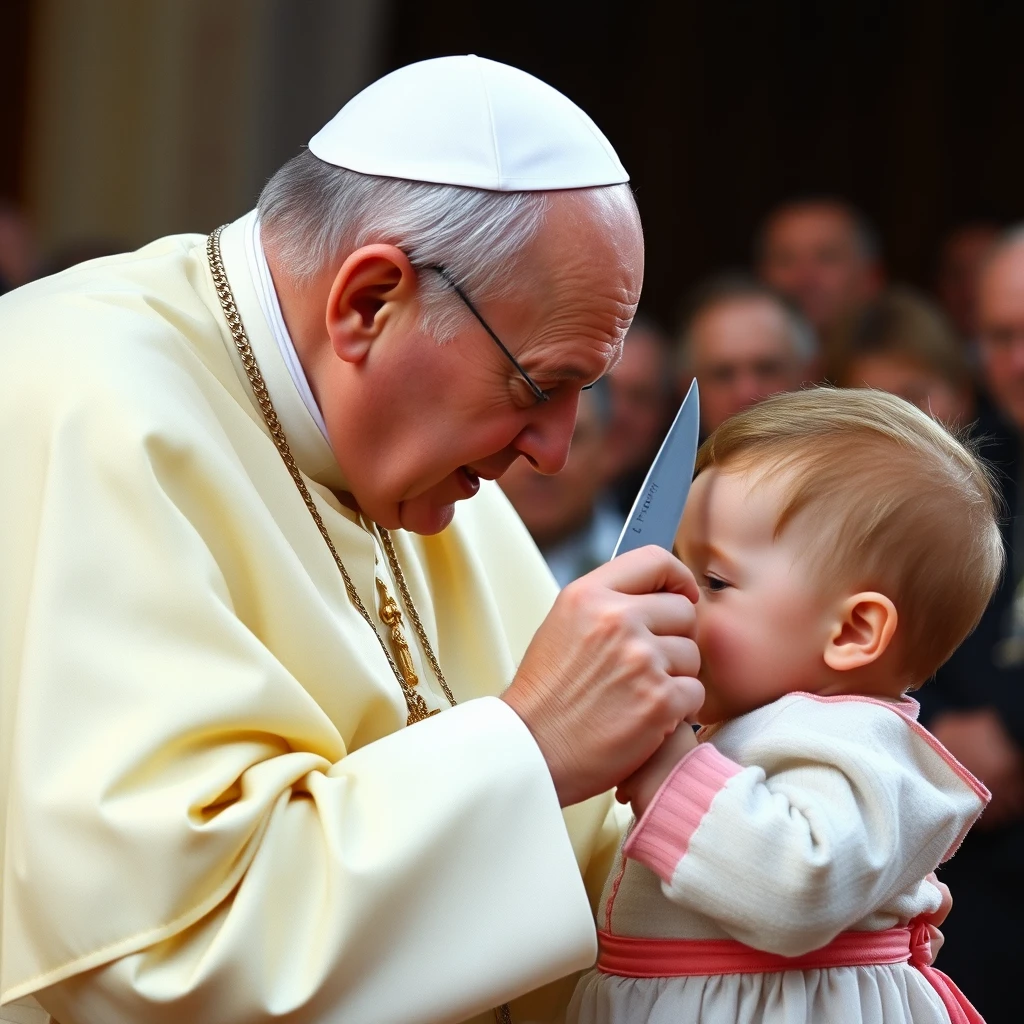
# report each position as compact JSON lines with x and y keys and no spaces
{"x":539,"y":393}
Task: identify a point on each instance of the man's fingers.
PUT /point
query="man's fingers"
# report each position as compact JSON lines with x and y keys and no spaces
{"x":687,"y":697}
{"x":666,"y":614}
{"x":682,"y":658}
{"x":611,"y":672}
{"x":646,"y":571}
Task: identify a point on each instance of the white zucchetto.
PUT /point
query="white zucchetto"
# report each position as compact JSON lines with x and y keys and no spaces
{"x":469,"y":121}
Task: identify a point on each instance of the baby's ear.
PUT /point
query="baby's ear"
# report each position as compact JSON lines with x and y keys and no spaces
{"x":863,"y":629}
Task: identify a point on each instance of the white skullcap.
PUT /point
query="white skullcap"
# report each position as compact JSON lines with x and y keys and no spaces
{"x":469,"y":121}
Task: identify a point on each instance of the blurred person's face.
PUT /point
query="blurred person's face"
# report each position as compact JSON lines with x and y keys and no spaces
{"x":553,"y":506}
{"x":912,"y":381}
{"x":1001,"y":331}
{"x":960,"y":263}
{"x":640,"y":387}
{"x":740,"y":352}
{"x":813,"y":256}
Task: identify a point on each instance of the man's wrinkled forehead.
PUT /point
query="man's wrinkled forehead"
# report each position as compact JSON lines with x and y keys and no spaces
{"x":618,"y":347}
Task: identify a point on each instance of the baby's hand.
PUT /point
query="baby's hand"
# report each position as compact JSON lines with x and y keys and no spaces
{"x":640,"y":788}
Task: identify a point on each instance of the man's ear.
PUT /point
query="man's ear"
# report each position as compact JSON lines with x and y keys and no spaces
{"x":862,"y":632}
{"x":363,"y":296}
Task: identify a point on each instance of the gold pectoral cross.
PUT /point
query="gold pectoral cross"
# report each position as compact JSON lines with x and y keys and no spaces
{"x":391,"y":616}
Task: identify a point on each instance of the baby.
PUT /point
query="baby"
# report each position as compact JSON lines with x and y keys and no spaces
{"x":844,"y":544}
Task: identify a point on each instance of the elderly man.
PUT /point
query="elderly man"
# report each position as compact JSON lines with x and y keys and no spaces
{"x":238,"y":604}
{"x":976,"y":703}
{"x":742,"y":343}
{"x":824,"y":256}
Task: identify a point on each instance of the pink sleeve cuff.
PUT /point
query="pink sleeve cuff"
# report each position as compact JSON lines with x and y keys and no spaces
{"x":662,"y":836}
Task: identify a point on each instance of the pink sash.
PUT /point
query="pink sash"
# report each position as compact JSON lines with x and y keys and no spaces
{"x":633,"y":957}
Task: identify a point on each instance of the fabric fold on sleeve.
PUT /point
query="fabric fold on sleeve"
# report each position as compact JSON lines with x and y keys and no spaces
{"x":215,"y":813}
{"x":351,"y":896}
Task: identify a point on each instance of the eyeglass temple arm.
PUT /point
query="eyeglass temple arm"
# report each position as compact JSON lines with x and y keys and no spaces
{"x":450,"y":281}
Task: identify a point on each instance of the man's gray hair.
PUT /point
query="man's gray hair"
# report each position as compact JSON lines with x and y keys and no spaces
{"x":312,"y":211}
{"x":739,"y":287}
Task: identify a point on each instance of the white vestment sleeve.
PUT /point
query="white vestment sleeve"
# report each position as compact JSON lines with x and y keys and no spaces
{"x":190,"y":835}
{"x":383,"y":889}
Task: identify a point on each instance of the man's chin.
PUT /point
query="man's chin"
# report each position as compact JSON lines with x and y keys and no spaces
{"x":423,"y":516}
{"x":434,"y":509}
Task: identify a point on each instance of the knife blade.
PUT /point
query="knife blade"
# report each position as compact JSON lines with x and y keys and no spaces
{"x":654,"y":517}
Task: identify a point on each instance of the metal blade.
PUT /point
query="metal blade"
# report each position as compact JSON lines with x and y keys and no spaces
{"x":654,"y":517}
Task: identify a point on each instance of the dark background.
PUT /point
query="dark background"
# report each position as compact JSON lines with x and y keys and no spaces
{"x":14,"y":56}
{"x":720,"y":109}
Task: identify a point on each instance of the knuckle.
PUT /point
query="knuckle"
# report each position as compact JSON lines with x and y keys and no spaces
{"x":607,"y":622}
{"x":683,"y":690}
{"x":636,"y":658}
{"x":574,"y":595}
{"x":656,"y":700}
{"x":586,"y":601}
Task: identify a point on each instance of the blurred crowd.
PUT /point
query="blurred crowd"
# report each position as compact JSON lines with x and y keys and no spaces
{"x":816,"y":307}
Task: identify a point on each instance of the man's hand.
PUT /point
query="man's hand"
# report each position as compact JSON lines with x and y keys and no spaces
{"x":980,"y":742}
{"x":611,"y":672}
{"x":640,"y":788}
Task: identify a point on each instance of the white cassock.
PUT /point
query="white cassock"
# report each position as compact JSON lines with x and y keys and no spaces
{"x":213,"y":808}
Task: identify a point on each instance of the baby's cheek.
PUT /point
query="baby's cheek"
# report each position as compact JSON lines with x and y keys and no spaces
{"x":722,"y":644}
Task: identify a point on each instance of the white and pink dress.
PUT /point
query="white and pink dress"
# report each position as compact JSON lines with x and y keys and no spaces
{"x":778,"y":877}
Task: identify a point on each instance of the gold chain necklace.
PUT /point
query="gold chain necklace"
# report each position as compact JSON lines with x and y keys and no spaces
{"x":390,"y":613}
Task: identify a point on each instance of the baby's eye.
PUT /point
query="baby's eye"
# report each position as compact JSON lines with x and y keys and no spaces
{"x":714,"y":584}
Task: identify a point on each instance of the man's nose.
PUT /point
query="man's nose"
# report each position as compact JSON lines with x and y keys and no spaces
{"x":546,"y":439}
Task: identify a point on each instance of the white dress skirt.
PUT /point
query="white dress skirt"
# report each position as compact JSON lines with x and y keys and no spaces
{"x":887,"y":994}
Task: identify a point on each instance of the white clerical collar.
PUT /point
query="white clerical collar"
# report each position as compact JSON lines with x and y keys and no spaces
{"x":306,"y":439}
{"x":267,"y":294}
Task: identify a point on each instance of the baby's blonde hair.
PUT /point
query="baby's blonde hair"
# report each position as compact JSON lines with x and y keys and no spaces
{"x":898,"y":504}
